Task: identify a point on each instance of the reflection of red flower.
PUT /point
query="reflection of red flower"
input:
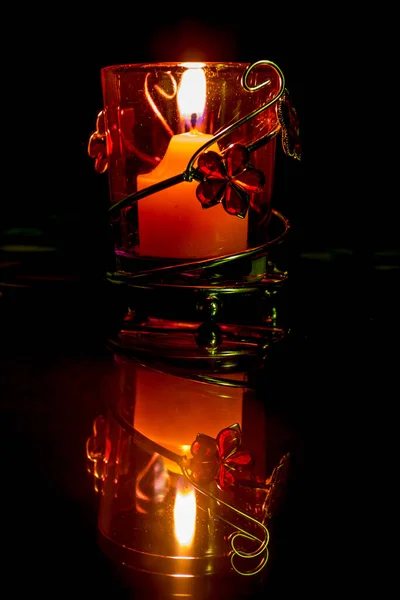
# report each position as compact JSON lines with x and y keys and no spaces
{"x":229,"y":179}
{"x":220,"y":459}
{"x":98,"y":446}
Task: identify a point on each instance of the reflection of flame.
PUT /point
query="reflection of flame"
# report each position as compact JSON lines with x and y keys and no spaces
{"x":184,"y":514}
{"x":192,"y":91}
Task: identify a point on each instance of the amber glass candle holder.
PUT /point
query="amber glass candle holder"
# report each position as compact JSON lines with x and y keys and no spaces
{"x":190,"y":153}
{"x":156,"y":117}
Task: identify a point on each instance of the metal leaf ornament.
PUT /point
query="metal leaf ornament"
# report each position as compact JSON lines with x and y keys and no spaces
{"x":289,"y":121}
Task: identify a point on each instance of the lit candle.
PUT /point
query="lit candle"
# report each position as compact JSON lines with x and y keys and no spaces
{"x":172,"y":223}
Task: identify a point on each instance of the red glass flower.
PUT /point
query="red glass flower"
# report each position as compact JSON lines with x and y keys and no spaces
{"x":229,"y":179}
{"x":290,"y":127}
{"x":97,"y":146}
{"x":220,"y":459}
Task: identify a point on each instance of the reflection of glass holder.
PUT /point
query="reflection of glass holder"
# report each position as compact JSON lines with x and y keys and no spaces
{"x":230,"y":458}
{"x":142,"y":471}
{"x":199,"y":311}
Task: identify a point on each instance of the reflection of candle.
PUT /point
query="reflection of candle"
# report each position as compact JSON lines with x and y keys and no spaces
{"x":172,"y":410}
{"x":172,"y":222}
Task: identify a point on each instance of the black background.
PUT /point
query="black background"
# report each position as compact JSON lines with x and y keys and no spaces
{"x":54,"y":95}
{"x":338,"y":368}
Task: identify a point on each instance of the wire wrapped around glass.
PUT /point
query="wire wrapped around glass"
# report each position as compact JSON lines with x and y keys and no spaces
{"x":190,"y":152}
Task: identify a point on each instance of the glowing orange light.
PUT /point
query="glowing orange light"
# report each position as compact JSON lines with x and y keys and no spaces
{"x":192,"y":91}
{"x":185,"y":515}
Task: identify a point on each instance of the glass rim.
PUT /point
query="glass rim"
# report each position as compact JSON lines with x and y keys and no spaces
{"x":174,"y":64}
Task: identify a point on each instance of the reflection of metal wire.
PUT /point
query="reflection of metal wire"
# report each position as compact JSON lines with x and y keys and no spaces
{"x":190,"y":172}
{"x":240,"y":534}
{"x":188,"y":374}
{"x":191,"y":375}
{"x":162,"y":93}
{"x":261,"y":550}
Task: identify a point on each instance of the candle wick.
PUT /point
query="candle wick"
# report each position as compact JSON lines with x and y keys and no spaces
{"x":193,"y":120}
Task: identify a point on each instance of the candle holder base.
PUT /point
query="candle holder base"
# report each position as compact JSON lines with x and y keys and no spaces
{"x":180,"y":582}
{"x":205,"y":346}
{"x":256,"y":265}
{"x":218,"y":314}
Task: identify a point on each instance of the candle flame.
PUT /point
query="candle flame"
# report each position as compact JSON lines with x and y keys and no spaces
{"x":192,"y":91}
{"x":185,"y":515}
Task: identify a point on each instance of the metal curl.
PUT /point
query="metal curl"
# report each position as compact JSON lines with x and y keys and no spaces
{"x":264,"y":83}
{"x":189,"y":169}
{"x":240,"y":533}
{"x":263,"y":549}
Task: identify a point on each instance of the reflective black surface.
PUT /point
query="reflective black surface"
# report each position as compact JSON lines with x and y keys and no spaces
{"x":335,"y":365}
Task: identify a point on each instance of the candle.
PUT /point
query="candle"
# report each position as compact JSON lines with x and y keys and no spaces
{"x":172,"y":223}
